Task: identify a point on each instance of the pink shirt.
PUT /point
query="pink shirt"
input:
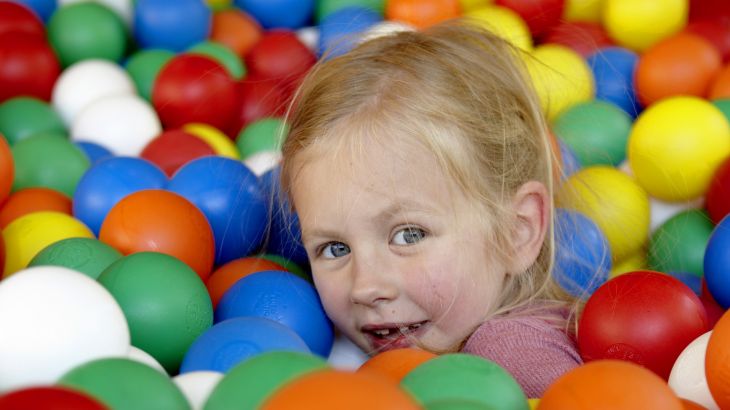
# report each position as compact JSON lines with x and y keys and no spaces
{"x":531,"y":349}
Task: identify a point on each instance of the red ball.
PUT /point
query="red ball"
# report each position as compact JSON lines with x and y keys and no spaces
{"x":708,"y":10}
{"x":17,"y":17}
{"x":28,"y":66}
{"x":643,"y":317}
{"x":716,"y":32}
{"x":258,"y":98}
{"x":174,"y":148}
{"x":583,"y":37}
{"x":717,"y":198}
{"x":193,"y":88}
{"x":49,"y":398}
{"x":7,"y":169}
{"x":540,"y":15}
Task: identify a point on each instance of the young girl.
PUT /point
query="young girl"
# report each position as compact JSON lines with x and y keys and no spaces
{"x":420,"y":170}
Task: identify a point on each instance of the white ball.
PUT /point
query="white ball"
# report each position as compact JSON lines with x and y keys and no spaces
{"x":53,"y":319}
{"x":688,"y":379}
{"x":197,"y":386}
{"x":85,"y":82}
{"x":661,"y":211}
{"x":263,"y":161}
{"x":139,"y":355}
{"x":123,"y":8}
{"x":345,"y":355}
{"x":124,"y":124}
{"x":309,"y":36}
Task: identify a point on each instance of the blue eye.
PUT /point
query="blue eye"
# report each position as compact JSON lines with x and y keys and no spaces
{"x":409,"y":236}
{"x":334,"y":250}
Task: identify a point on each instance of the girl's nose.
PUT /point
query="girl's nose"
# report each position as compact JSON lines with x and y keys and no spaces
{"x":372,"y":284}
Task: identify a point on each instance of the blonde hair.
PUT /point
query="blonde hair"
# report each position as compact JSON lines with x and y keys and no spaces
{"x":461,"y":92}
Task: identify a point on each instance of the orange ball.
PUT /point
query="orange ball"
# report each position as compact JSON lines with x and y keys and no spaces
{"x":717,"y":362}
{"x":721,"y":85}
{"x":422,"y":13}
{"x":227,"y":275}
{"x":690,"y":405}
{"x":684,"y":64}
{"x":161,"y":221}
{"x":609,"y":384}
{"x":235,"y":29}
{"x":395,"y":364}
{"x":338,"y":389}
{"x":7,"y":169}
{"x":30,"y":200}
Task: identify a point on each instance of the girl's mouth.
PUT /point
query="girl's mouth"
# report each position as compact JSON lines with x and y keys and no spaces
{"x":388,"y":336}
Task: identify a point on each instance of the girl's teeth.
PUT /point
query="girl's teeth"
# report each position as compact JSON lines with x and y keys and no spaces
{"x":404,"y":329}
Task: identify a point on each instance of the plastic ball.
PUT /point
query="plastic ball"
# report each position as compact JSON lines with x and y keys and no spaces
{"x":280,"y":56}
{"x":614,"y":69}
{"x":86,"y":30}
{"x":503,"y":22}
{"x":714,"y":310}
{"x":687,"y":378}
{"x":716,"y":263}
{"x":258,"y":98}
{"x":161,"y":221}
{"x":338,"y":389}
{"x":561,"y":78}
{"x":86,"y":255}
{"x":582,"y":37}
{"x":569,"y":160}
{"x":644,"y":317}
{"x":326,"y":7}
{"x":463,"y":376}
{"x":49,"y":398}
{"x":631,"y":263}
{"x":612,"y":383}
{"x":144,"y":66}
{"x":221,"y":144}
{"x":21,"y":117}
{"x":539,"y":15}
{"x":124,"y":124}
{"x":15,"y":16}
{"x":107,"y":182}
{"x":164,"y":320}
{"x":52,"y":298}
{"x":125,"y":384}
{"x":639,"y":25}
{"x":614,"y":201}
{"x":233,"y":341}
{"x":583,"y":10}
{"x":262,"y":135}
{"x":48,"y":160}
{"x":720,"y":87}
{"x":717,"y":198}
{"x":123,"y":8}
{"x":30,"y":66}
{"x":193,"y":88}
{"x":339,"y":30}
{"x":684,"y":64}
{"x":714,"y":31}
{"x":139,"y":355}
{"x":269,"y":13}
{"x":93,"y":151}
{"x":7,"y":169}
{"x":679,"y":244}
{"x":597,"y":131}
{"x":29,"y":200}
{"x":227,"y":275}
{"x":172,"y":25}
{"x":282,"y":297}
{"x":716,"y":362}
{"x":235,"y":29}
{"x":422,"y":13}
{"x":223,"y":55}
{"x":42,"y":8}
{"x":397,"y":363}
{"x":174,"y":148}
{"x":263,"y":374}
{"x":676,"y":146}
{"x":85,"y":82}
{"x":197,"y":386}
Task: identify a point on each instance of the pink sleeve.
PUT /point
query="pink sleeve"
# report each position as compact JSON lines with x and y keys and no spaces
{"x":534,"y":352}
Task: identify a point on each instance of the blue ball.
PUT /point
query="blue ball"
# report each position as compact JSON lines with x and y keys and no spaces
{"x":285,"y":298}
{"x":230,"y":196}
{"x":106,"y":183}
{"x":229,"y":343}
{"x":692,"y":281}
{"x":44,"y":9}
{"x":174,"y":25}
{"x":338,"y":31}
{"x":571,"y":164}
{"x":613,"y":69}
{"x":284,"y":237}
{"x":94,"y":151}
{"x":717,"y":263}
{"x":291,"y":14}
{"x":582,"y":254}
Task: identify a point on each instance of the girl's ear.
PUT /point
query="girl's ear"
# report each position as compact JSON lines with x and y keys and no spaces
{"x":531,"y":204}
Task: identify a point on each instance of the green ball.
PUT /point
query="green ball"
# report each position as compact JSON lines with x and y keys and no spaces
{"x":327,"y":7}
{"x":678,"y":245}
{"x":124,"y":384}
{"x":262,"y":135}
{"x":85,"y":30}
{"x":86,"y":255}
{"x":165,"y":302}
{"x":21,"y":117}
{"x":288,"y":265}
{"x":222,"y":55}
{"x":456,"y":404}
{"x":48,"y":160}
{"x":597,"y":131}
{"x":460,"y":376}
{"x":249,"y":383}
{"x":144,"y":66}
{"x":724,"y":106}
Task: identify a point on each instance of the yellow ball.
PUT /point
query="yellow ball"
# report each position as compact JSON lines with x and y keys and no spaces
{"x":533,"y":403}
{"x":614,"y":201}
{"x":637,"y":261}
{"x":561,"y":78}
{"x":639,"y":24}
{"x":503,"y":22}
{"x":675,"y":147}
{"x":583,"y":10}
{"x":221,"y":144}
{"x":469,"y":5}
{"x":31,"y":233}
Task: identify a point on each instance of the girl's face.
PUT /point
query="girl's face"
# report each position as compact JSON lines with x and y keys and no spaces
{"x":396,"y":252}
